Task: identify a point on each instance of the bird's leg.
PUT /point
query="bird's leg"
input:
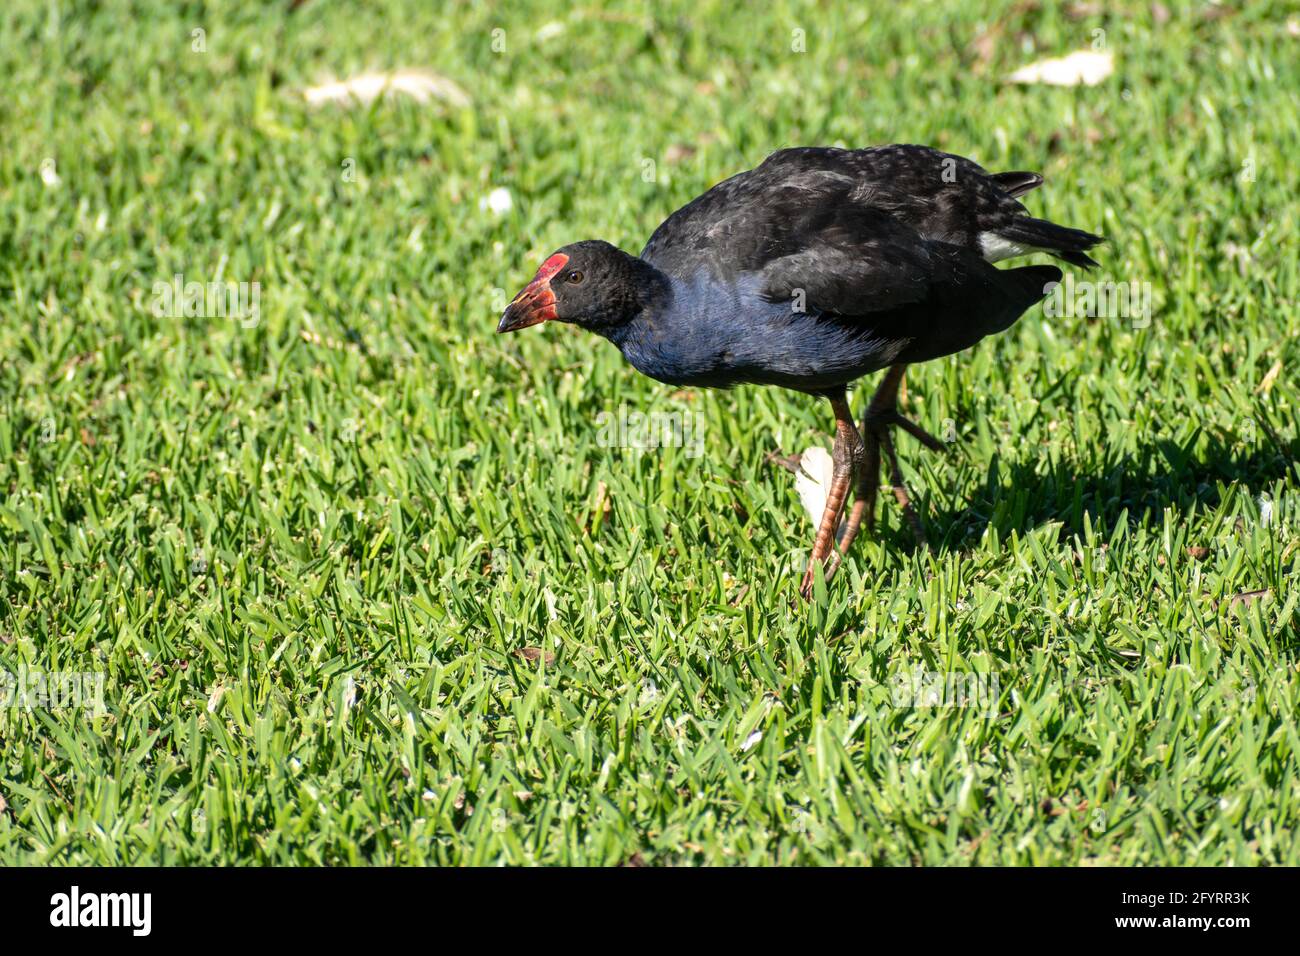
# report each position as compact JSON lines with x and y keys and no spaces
{"x":881,"y":414}
{"x":847,"y":459}
{"x":900,"y":489}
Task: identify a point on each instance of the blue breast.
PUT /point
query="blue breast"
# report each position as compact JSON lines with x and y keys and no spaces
{"x":721,"y":333}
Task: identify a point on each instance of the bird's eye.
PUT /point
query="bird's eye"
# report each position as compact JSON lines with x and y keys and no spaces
{"x":575,"y":277}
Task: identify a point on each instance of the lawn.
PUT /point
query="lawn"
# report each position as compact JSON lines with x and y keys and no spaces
{"x":359,"y":581}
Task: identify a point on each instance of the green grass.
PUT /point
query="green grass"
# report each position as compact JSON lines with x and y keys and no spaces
{"x":306,"y":555}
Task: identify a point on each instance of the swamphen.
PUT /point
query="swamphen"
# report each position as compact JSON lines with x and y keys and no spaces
{"x":810,"y":271}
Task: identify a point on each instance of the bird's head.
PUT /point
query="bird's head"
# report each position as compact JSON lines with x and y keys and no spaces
{"x":590,"y":283}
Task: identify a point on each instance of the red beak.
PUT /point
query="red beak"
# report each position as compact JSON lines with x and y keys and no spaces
{"x":536,"y":302}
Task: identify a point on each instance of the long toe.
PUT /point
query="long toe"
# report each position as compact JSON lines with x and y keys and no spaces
{"x":864,"y":495}
{"x":900,"y":491}
{"x":917,"y":432}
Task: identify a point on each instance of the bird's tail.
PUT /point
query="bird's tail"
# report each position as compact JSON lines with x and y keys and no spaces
{"x":1022,"y":288}
{"x":1031,"y":283}
{"x":987,"y":300}
{"x":1061,"y":241}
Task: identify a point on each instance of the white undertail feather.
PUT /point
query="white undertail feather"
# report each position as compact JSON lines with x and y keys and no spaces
{"x":995,"y":248}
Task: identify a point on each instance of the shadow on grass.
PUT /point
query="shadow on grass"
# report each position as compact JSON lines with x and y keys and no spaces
{"x":1031,"y":492}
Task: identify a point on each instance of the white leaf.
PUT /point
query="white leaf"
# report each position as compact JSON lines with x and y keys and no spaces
{"x":419,"y":85}
{"x":812,"y":482}
{"x":498,"y":201}
{"x":1087,"y":67}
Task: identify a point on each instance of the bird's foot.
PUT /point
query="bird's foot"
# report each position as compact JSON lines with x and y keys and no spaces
{"x":901,"y":494}
{"x":896,"y":482}
{"x":877,"y":422}
{"x":806,"y":585}
{"x":823,"y":552}
{"x":849,"y":459}
{"x":875,"y":430}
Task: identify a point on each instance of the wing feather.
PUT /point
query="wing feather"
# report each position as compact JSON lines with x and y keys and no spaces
{"x":859,"y":262}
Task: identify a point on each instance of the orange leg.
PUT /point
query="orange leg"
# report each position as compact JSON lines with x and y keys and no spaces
{"x":847,"y":459}
{"x":880,"y":416}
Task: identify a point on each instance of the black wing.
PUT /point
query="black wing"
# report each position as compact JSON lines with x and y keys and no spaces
{"x":893,"y":202}
{"x":755,"y":216}
{"x":856,"y":260}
